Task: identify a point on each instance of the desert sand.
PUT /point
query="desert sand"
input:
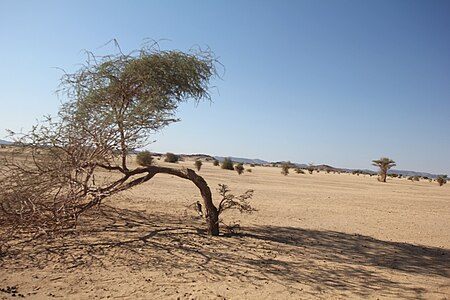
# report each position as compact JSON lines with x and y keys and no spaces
{"x":319,"y":236}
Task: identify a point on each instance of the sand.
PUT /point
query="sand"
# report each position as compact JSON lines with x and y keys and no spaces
{"x":319,"y":236}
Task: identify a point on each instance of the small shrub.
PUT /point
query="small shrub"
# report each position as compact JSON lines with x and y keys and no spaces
{"x":285,"y":168}
{"x":239,"y":168}
{"x":198,"y":164}
{"x":227,"y":164}
{"x":144,"y":158}
{"x":249,"y":170}
{"x":441,"y":180}
{"x":171,"y":158}
{"x":416,"y":178}
{"x":252,"y":165}
{"x":216,"y":163}
{"x":299,"y":171}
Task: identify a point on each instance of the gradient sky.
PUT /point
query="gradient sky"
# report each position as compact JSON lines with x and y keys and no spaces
{"x":334,"y":82}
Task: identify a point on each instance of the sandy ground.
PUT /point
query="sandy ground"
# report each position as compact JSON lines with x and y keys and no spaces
{"x":319,"y":236}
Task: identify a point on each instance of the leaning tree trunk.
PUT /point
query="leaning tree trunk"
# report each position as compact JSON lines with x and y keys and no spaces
{"x":212,"y":214}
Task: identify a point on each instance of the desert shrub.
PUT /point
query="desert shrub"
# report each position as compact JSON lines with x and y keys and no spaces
{"x":227,"y":164}
{"x":171,"y":158}
{"x":416,"y":178}
{"x":198,"y":164}
{"x":216,"y":162}
{"x":249,"y":170}
{"x":252,"y":165}
{"x":410,"y":178}
{"x":441,"y":180}
{"x":328,"y":171}
{"x":239,"y":168}
{"x":144,"y":158}
{"x":299,"y":171}
{"x":230,"y":201}
{"x":285,"y":168}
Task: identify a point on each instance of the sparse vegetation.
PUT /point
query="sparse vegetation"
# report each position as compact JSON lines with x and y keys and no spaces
{"x":441,"y":180}
{"x":216,"y":163}
{"x":299,"y":171}
{"x":198,"y":164}
{"x":227,"y":164}
{"x":285,"y":168}
{"x":239,"y":168}
{"x":230,"y":201}
{"x":171,"y":158}
{"x":249,"y":170}
{"x":144,"y":158}
{"x":384,"y":164}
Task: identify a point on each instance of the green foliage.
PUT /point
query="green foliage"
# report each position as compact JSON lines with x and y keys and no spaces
{"x":171,"y":158}
{"x":239,"y":168}
{"x":144,"y":158}
{"x":120,"y":99}
{"x":198,"y":164}
{"x":227,"y":164}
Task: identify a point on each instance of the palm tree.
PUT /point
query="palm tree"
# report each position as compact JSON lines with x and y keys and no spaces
{"x":384,"y":164}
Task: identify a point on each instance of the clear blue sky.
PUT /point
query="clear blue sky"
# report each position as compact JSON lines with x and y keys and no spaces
{"x":335,"y":82}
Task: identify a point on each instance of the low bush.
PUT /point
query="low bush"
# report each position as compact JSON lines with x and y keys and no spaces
{"x":198,"y":164}
{"x":227,"y":164}
{"x":171,"y":158}
{"x":239,"y":168}
{"x":144,"y":158}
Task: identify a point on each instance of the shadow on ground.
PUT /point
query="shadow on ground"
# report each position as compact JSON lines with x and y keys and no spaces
{"x":327,"y":260}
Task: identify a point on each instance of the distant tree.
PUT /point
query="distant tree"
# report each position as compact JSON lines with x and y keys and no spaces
{"x":216,"y":162}
{"x":227,"y":164}
{"x":285,"y":168}
{"x":198,"y":164}
{"x":384,"y":164}
{"x":144,"y":158}
{"x":441,"y":180}
{"x":171,"y":158}
{"x":239,"y":168}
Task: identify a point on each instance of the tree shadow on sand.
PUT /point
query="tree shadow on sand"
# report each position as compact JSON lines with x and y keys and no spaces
{"x":337,"y":262}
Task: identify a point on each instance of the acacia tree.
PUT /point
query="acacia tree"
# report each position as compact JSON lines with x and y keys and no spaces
{"x":384,"y":164}
{"x":113,"y":104}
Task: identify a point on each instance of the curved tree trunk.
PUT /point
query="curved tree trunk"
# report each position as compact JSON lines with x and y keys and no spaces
{"x":212,"y":215}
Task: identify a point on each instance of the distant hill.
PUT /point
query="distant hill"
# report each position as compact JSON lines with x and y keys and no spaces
{"x":3,"y":142}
